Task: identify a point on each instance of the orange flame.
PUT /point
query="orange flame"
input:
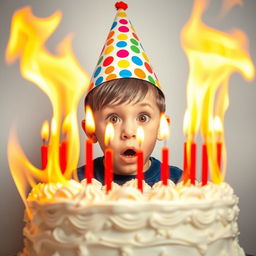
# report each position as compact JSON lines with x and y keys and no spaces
{"x":213,"y":56}
{"x":140,"y":135}
{"x":90,"y":124}
{"x":62,"y":79}
{"x":164,"y":131}
{"x":217,"y":124}
{"x":45,"y":131}
{"x":109,"y":133}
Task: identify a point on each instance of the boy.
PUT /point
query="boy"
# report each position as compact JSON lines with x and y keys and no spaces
{"x":127,"y":103}
{"x":125,"y":91}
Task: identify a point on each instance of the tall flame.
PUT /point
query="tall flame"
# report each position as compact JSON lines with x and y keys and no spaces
{"x":109,"y":133}
{"x":213,"y":56}
{"x":140,"y":135}
{"x":90,"y":124}
{"x":164,"y":131}
{"x":45,"y":131}
{"x":62,"y":79}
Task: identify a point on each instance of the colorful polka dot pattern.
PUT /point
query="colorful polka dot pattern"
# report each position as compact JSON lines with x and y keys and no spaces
{"x":123,"y":55}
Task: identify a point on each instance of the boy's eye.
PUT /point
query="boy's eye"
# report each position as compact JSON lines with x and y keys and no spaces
{"x":144,"y":118}
{"x":113,"y":119}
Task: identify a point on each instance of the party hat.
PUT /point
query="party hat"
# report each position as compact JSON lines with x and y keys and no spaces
{"x":123,"y":55}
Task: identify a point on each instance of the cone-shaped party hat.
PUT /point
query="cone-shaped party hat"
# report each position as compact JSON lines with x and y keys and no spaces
{"x":123,"y":55}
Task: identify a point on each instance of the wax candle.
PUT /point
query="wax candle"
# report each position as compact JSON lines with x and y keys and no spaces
{"x":165,"y":166}
{"x":187,"y":148}
{"x":89,"y":160}
{"x":63,"y":149}
{"x":140,"y":158}
{"x":193,"y":164}
{"x":164,"y":133}
{"x":109,"y":135}
{"x":108,"y":169}
{"x":204,"y":165}
{"x":44,"y":147}
{"x":140,"y":173}
{"x":185,"y":164}
{"x":63,"y":155}
{"x":218,"y":128}
{"x":189,"y":162}
{"x":219,"y":154}
{"x":44,"y":155}
{"x":90,"y":129}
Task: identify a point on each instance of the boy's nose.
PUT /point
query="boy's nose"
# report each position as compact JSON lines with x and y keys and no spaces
{"x":128,"y":131}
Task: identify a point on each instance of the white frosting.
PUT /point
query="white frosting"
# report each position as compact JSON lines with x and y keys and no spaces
{"x":80,"y":219}
{"x":126,"y":193}
{"x":114,"y":186}
{"x":95,"y":182}
{"x":133,"y":183}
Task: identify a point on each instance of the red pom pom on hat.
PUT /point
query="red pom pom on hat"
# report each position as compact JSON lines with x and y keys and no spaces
{"x":121,"y":5}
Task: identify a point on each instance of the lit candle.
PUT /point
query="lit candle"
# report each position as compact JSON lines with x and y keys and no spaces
{"x":189,"y":152}
{"x":218,"y":128}
{"x":204,"y":165}
{"x":64,"y":145}
{"x":44,"y":147}
{"x":193,"y":164}
{"x":109,"y":135}
{"x":140,"y":158}
{"x":90,"y":129}
{"x":163,"y":135}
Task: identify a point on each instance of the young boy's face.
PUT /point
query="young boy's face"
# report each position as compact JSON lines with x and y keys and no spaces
{"x":126,"y":118}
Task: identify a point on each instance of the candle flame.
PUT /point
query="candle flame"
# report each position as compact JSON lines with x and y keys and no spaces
{"x":213,"y":56}
{"x":186,"y":122}
{"x":109,"y":133}
{"x":217,"y":124}
{"x":45,"y":131}
{"x":90,"y":124}
{"x":140,"y":135}
{"x":66,"y":125}
{"x":164,"y":131}
{"x":62,"y":79}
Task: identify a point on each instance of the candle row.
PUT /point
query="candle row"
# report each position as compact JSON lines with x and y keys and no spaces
{"x":63,"y":155}
{"x":108,"y":160}
{"x":190,"y":153}
{"x":44,"y":148}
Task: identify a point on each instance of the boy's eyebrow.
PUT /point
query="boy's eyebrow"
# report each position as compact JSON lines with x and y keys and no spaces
{"x":145,"y":104}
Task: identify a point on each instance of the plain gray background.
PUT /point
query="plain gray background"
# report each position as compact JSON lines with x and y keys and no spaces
{"x":158,"y":24}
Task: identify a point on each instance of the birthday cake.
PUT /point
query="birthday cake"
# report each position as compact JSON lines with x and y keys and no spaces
{"x":80,"y":219}
{"x":68,"y":218}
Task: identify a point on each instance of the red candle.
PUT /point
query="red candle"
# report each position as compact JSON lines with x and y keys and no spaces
{"x":140,"y":158}
{"x":185,"y":164}
{"x":165,"y":166}
{"x":89,"y":160}
{"x":193,"y":164}
{"x":219,"y":154}
{"x":218,"y":128}
{"x":44,"y":147}
{"x":63,"y":155}
{"x":108,"y":169}
{"x":90,"y":129}
{"x":44,"y":155}
{"x":109,"y":135}
{"x":140,"y":173}
{"x":204,"y":165}
{"x":164,"y":134}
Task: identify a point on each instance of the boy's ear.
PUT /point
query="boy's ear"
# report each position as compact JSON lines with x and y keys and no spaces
{"x":169,"y":122}
{"x":89,"y":135}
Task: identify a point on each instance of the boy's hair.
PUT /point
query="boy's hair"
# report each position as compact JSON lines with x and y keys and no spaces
{"x":123,"y":90}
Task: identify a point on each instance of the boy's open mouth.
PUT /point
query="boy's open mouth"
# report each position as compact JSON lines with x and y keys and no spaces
{"x":129,"y":153}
